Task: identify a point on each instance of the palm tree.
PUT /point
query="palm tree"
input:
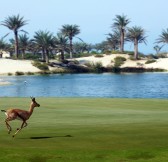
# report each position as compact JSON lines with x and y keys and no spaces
{"x":61,"y":43}
{"x":136,"y":35}
{"x":45,"y":41}
{"x":12,"y":46}
{"x":2,"y":46}
{"x":14,"y":23}
{"x":101,"y":47}
{"x":157,"y":48}
{"x":81,"y":47}
{"x":70,"y":31}
{"x":163,"y":38}
{"x":120,"y":24}
{"x":24,"y":43}
{"x":113,"y":40}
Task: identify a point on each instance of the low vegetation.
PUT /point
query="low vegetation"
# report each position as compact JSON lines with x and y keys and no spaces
{"x":150,"y":61}
{"x":99,"y":55}
{"x":19,"y":73}
{"x":93,"y":130}
{"x":118,"y":61}
{"x":9,"y":74}
{"x":29,"y":73}
{"x":96,"y":67}
{"x":40,"y":65}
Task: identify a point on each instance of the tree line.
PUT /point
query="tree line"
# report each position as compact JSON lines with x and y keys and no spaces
{"x":45,"y":42}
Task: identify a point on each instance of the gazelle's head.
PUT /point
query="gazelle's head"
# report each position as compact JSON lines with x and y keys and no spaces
{"x":34,"y":103}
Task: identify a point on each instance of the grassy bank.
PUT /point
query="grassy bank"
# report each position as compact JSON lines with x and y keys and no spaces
{"x":88,"y":130}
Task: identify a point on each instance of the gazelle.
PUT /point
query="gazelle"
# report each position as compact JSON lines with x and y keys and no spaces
{"x":19,"y":114}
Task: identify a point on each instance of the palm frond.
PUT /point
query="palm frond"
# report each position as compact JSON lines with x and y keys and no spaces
{"x":163,"y":38}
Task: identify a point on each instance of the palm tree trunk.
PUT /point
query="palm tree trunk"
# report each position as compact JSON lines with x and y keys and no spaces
{"x":71,"y":48}
{"x":16,"y":44}
{"x":43,"y":55}
{"x":62,"y":55}
{"x":47,"y":56}
{"x":135,"y":49}
{"x":23,"y":53}
{"x":122,"y":41}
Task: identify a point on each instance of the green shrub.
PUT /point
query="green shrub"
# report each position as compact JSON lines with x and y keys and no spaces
{"x":41,"y":66}
{"x":60,"y":71}
{"x":118,"y":61}
{"x":29,"y":56}
{"x":150,"y":61}
{"x":9,"y":74}
{"x":99,"y":55}
{"x":19,"y":73}
{"x":108,"y":52}
{"x":95,"y":67}
{"x":74,"y":68}
{"x":44,"y":72}
{"x":115,"y":52}
{"x":129,"y":52}
{"x":78,"y":55}
{"x":88,"y":64}
{"x":132,"y":58}
{"x":94,"y":52}
{"x":29,"y":73}
{"x":125,"y":52}
{"x":139,"y":64}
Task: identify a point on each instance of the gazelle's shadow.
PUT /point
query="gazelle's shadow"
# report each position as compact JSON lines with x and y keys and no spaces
{"x":46,"y":137}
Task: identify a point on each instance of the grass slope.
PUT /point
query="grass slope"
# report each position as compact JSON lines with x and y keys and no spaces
{"x":88,"y":130}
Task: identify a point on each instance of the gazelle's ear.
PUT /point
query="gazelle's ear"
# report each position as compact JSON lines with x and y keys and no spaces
{"x":32,"y":98}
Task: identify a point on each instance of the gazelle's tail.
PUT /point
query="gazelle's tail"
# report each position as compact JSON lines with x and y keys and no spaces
{"x":3,"y":110}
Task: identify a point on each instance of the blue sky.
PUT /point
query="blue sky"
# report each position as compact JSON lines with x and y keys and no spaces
{"x":94,"y":17}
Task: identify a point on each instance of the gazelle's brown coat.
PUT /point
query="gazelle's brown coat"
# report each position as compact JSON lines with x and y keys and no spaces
{"x":19,"y":114}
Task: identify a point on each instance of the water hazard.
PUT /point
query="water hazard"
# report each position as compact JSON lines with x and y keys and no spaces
{"x":141,"y":85}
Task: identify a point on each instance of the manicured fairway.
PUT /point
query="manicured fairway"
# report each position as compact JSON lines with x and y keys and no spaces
{"x":88,"y":130}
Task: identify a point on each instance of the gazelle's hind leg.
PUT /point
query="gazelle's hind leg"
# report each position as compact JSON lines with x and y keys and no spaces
{"x":8,"y":126}
{"x":24,"y":124}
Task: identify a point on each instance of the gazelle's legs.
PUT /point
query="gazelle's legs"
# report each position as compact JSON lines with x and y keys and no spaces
{"x":24,"y":124}
{"x":8,"y":126}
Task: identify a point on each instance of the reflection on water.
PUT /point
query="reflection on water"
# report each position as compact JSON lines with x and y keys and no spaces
{"x":144,"y":85}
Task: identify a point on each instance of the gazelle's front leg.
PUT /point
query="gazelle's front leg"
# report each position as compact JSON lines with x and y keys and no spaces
{"x":24,"y":124}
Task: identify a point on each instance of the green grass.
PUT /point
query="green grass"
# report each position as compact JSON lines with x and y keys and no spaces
{"x":88,"y":130}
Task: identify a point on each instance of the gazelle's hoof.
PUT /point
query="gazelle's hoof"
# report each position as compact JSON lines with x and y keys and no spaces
{"x":17,"y":128}
{"x":13,"y":136}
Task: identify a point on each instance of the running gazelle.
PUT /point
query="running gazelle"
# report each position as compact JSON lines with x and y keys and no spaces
{"x":19,"y":114}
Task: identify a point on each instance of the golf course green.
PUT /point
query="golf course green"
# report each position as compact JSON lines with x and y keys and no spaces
{"x":87,"y":130}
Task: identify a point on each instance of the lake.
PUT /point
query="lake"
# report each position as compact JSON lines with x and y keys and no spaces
{"x":129,"y":85}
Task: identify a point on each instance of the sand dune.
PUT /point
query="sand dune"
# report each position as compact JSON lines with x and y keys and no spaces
{"x":12,"y":66}
{"x":108,"y":60}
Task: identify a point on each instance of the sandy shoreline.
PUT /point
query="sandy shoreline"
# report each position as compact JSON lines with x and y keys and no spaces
{"x":13,"y":66}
